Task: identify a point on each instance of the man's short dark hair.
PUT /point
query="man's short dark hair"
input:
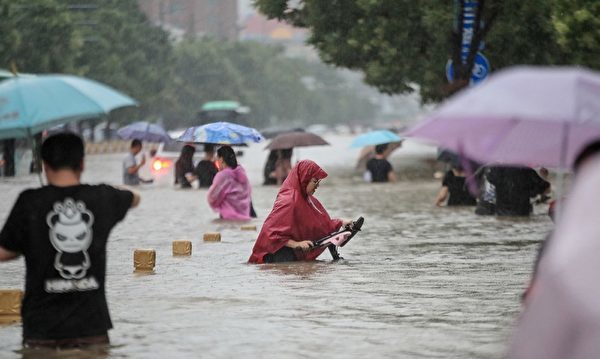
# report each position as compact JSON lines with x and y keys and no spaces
{"x":136,"y":143}
{"x":63,"y":151}
{"x":209,"y":147}
{"x":379,"y":149}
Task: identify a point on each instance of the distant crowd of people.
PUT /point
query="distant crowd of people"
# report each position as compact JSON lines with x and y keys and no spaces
{"x":229,"y":191}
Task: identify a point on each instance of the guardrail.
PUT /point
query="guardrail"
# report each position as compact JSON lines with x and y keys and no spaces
{"x":107,"y":147}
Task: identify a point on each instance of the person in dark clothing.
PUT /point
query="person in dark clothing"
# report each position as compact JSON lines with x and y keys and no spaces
{"x":283,"y":165}
{"x":454,"y":189}
{"x":8,"y":156}
{"x":269,"y":170}
{"x":486,"y":205}
{"x":184,"y":167}
{"x":206,"y":168}
{"x":62,"y":230}
{"x":514,"y":188}
{"x":131,"y":168}
{"x":379,"y":168}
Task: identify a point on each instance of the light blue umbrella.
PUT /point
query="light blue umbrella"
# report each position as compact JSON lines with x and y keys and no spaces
{"x":144,"y":131}
{"x":29,"y":105}
{"x":374,"y":138}
{"x":5,"y":74}
{"x":223,"y":133}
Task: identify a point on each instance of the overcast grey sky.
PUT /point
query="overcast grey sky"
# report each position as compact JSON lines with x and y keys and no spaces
{"x":245,"y":7}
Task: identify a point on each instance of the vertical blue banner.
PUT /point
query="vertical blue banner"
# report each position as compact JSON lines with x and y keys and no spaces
{"x":469,"y":11}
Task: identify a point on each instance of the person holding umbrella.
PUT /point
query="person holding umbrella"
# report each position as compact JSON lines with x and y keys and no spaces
{"x":206,"y":170}
{"x":379,"y":168}
{"x":230,"y":192}
{"x":283,"y":165}
{"x":184,"y":167}
{"x":131,"y":168}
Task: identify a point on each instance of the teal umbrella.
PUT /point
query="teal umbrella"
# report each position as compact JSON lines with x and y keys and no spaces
{"x":374,"y":138}
{"x":29,"y":105}
{"x":5,"y":74}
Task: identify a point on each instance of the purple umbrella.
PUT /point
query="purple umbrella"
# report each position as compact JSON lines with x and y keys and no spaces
{"x":524,"y":115}
{"x":144,"y":131}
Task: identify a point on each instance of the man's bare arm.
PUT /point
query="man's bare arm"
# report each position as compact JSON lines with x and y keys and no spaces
{"x":6,"y":255}
{"x":136,"y":199}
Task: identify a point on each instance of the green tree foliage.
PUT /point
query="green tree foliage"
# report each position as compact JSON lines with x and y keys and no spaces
{"x":261,"y":77}
{"x":111,"y":41}
{"x":400,"y":43}
{"x":37,"y":36}
{"x":578,"y":26}
{"x":122,"y":49}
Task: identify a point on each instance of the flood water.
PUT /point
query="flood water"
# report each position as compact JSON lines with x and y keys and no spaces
{"x":417,"y":282}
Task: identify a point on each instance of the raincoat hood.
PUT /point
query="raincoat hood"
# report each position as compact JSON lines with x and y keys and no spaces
{"x":301,"y":175}
{"x":296,"y":216}
{"x":238,"y":174}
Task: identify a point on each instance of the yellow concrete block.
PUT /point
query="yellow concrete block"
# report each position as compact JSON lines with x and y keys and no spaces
{"x":182,"y":248}
{"x":10,"y":305}
{"x":248,"y":228}
{"x":144,"y":260}
{"x":212,"y":237}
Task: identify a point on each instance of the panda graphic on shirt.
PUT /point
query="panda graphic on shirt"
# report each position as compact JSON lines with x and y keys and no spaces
{"x":70,"y":225}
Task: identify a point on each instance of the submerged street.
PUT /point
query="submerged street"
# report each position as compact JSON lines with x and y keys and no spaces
{"x":418,"y":281}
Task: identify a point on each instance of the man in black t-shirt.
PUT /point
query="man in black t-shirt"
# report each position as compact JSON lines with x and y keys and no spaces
{"x":62,"y":230}
{"x":379,"y":168}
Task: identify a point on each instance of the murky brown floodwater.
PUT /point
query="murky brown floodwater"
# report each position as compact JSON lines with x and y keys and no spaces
{"x":418,"y":282}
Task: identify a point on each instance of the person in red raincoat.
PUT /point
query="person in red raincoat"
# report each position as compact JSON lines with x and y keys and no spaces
{"x":296,"y":220}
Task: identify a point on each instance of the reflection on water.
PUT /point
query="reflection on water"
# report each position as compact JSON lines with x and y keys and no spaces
{"x":417,"y":281}
{"x":90,"y":352}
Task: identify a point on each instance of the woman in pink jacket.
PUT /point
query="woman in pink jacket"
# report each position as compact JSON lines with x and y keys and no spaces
{"x":230,"y":192}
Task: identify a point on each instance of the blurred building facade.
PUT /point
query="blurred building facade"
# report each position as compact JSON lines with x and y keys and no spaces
{"x":256,"y":27}
{"x":215,"y":18}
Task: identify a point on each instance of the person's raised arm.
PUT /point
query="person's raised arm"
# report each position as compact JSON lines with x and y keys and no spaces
{"x":6,"y":255}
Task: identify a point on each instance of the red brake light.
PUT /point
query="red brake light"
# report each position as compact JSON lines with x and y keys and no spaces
{"x":160,"y":164}
{"x":157,"y":165}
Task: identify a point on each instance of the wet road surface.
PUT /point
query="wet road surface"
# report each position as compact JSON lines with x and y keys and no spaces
{"x":417,"y":282}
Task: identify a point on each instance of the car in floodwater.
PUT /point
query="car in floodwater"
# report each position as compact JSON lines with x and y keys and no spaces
{"x":160,"y":163}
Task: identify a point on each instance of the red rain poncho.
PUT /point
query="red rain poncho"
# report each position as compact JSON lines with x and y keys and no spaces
{"x":295,"y":216}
